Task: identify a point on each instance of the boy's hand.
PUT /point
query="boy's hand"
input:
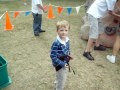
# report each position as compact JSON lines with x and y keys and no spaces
{"x":66,"y":65}
{"x":45,"y":9}
{"x":69,"y":57}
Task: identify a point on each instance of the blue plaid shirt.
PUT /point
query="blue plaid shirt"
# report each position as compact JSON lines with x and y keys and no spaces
{"x":58,"y":49}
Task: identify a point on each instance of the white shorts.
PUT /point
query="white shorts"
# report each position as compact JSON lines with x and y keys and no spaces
{"x":96,"y":27}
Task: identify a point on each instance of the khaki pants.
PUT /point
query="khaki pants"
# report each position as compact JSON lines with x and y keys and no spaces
{"x":61,"y":76}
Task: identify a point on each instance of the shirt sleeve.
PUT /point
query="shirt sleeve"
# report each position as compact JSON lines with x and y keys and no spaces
{"x":111,"y":4}
{"x":55,"y":60}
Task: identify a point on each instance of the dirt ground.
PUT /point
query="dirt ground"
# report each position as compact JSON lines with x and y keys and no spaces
{"x":29,"y":63}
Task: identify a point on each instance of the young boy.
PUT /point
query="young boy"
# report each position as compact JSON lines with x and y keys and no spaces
{"x":96,"y":11}
{"x":37,"y":11}
{"x":60,"y":54}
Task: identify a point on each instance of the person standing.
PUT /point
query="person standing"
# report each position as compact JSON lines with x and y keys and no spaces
{"x":116,"y":46}
{"x":37,"y":11}
{"x":96,"y":11}
{"x":60,"y":54}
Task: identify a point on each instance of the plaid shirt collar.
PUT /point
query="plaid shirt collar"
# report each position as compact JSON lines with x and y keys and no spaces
{"x":62,"y":42}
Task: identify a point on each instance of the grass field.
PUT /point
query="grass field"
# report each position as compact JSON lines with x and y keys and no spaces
{"x":29,"y":64}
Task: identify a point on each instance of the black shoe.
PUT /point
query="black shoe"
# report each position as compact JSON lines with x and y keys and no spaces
{"x":88,"y":55}
{"x":41,"y":31}
{"x":36,"y":34}
{"x":100,"y":47}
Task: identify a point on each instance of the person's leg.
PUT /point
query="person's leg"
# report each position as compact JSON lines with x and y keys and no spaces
{"x":61,"y":77}
{"x":36,"y":24}
{"x":116,"y":48}
{"x":89,"y":45}
{"x":98,"y":46}
{"x":40,"y":24}
{"x":93,"y":35}
{"x":40,"y":21}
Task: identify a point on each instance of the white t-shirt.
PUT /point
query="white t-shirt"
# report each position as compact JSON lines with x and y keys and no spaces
{"x":100,"y":7}
{"x":35,"y":8}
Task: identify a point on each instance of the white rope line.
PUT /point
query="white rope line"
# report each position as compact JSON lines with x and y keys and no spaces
{"x":20,"y":11}
{"x":30,"y":10}
{"x":67,"y":7}
{"x":2,"y":15}
{"x":13,"y":11}
{"x":49,"y":5}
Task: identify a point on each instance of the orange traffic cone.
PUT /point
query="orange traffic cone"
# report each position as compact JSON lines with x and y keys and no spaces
{"x":8,"y":25}
{"x":50,"y":13}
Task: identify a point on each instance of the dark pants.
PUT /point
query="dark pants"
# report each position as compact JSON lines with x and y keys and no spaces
{"x":37,"y":21}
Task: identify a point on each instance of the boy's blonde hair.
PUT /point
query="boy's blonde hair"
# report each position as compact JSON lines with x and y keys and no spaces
{"x":62,"y":23}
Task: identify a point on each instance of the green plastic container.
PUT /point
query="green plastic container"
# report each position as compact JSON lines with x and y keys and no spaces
{"x":5,"y":80}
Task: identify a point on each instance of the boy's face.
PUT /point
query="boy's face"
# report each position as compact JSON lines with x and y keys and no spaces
{"x":63,"y":32}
